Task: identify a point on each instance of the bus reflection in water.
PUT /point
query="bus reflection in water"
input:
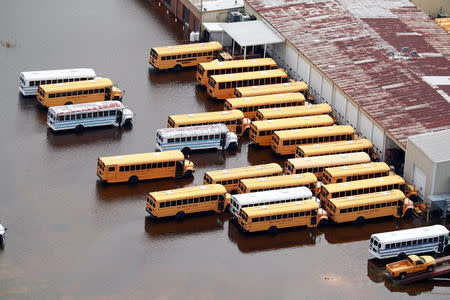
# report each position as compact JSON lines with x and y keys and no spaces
{"x":167,"y":228}
{"x":259,"y":242}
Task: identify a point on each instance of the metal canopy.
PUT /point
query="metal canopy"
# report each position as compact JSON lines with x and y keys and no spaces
{"x":252,"y":33}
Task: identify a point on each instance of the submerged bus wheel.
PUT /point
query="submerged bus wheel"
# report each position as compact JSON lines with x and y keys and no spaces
{"x":401,"y":255}
{"x":360,"y":220}
{"x":186,"y":150}
{"x":128,"y":123}
{"x":188,"y":174}
{"x":180,"y":215}
{"x":133,"y":179}
{"x":232,"y":146}
{"x":177,"y":68}
{"x":68,"y":103}
{"x":79,"y":128}
{"x":273,"y":229}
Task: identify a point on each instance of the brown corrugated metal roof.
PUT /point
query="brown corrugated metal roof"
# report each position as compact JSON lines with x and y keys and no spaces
{"x":349,"y":39}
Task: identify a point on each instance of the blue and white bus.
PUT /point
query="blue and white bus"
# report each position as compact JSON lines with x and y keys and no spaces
{"x":29,"y":81}
{"x":401,"y":243}
{"x":80,"y":116}
{"x":216,"y":136}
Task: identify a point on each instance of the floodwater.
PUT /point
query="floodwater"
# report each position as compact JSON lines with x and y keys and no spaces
{"x":73,"y":238}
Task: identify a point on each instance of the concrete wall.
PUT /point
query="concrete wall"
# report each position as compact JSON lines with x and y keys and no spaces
{"x":416,"y":158}
{"x":433,"y":7}
{"x":442,"y":179}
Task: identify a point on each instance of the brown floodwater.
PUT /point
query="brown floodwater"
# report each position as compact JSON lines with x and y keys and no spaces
{"x":73,"y":238}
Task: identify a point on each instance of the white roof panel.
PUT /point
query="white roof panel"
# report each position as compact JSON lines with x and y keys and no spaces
{"x":255,"y":33}
{"x":63,"y":73}
{"x":85,"y":107}
{"x":434,"y":145}
{"x":192,"y":130}
{"x":281,"y":194}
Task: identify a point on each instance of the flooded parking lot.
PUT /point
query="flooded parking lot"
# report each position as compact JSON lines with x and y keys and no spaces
{"x":71,"y":237}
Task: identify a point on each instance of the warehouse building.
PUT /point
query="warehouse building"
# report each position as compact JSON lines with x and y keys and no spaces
{"x":382,"y":65}
{"x":188,"y":11}
{"x":427,"y":164}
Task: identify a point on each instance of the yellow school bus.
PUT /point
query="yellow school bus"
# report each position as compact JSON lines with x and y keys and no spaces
{"x":205,"y":70}
{"x":283,"y":215}
{"x":98,"y":89}
{"x":285,"y":142}
{"x":251,"y":185}
{"x":368,"y":206}
{"x":233,"y":119}
{"x":318,"y":164}
{"x":337,"y":147}
{"x":277,"y":88}
{"x":180,"y":56}
{"x":230,"y":178}
{"x":296,"y":111}
{"x":222,"y":86}
{"x":261,"y":131}
{"x":355,"y":172}
{"x":143,"y":166}
{"x":250,"y":105}
{"x":365,"y":186}
{"x":182,"y":201}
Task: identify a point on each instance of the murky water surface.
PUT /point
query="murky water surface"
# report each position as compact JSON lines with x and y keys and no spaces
{"x":71,"y":237}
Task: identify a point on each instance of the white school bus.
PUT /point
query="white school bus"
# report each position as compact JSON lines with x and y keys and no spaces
{"x":180,"y":56}
{"x":368,"y":206}
{"x":285,"y":142}
{"x":355,"y":172}
{"x":182,"y":201}
{"x":277,"y":88}
{"x":295,"y":111}
{"x":318,"y":164}
{"x":251,"y":185}
{"x":250,"y":105}
{"x":230,"y":178}
{"x":270,"y":218}
{"x":261,"y":131}
{"x":143,"y":166}
{"x":205,"y":70}
{"x":337,"y":147}
{"x":98,"y":89}
{"x":233,"y":119}
{"x":222,"y":86}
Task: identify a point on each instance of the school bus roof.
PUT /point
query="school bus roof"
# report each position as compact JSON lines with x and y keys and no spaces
{"x":265,"y":99}
{"x":217,"y":65}
{"x":280,"y":208}
{"x":249,"y":171}
{"x":85,"y":107}
{"x":212,"y":116}
{"x":371,"y":198}
{"x":358,"y":169}
{"x":279,"y":124}
{"x":362,"y":184}
{"x":151,"y":157}
{"x":265,"y":182}
{"x":249,"y":75}
{"x":335,"y":147}
{"x":188,"y":192}
{"x":303,"y":110}
{"x":293,"y":86}
{"x":329,"y":160}
{"x":313,"y":132}
{"x":186,"y":48}
{"x":96,"y":83}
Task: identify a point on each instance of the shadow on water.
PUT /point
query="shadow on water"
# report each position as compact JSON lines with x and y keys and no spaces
{"x":29,"y":104}
{"x":257,"y":155}
{"x":205,"y":101}
{"x":120,"y":191}
{"x":95,"y":135}
{"x":209,"y":158}
{"x":169,"y":78}
{"x":262,"y":241}
{"x":192,"y":224}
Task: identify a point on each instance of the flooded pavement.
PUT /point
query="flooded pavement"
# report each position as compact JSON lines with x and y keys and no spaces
{"x":71,"y":237}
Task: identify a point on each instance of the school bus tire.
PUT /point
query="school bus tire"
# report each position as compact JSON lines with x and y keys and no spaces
{"x":360,"y":220}
{"x":68,"y":103}
{"x":401,"y":255}
{"x":323,"y":222}
{"x":180,"y":215}
{"x":116,"y":98}
{"x":447,"y":250}
{"x":272,"y":229}
{"x":186,"y":150}
{"x":79,"y":128}
{"x":133,"y":179}
{"x":232,"y":146}
{"x":188,"y":174}
{"x":177,"y":68}
{"x":128,"y":123}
